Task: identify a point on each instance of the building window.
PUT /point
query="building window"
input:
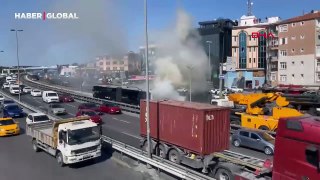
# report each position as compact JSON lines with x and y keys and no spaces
{"x":292,"y":62}
{"x":302,"y":63}
{"x":318,"y":62}
{"x":292,"y":50}
{"x":319,"y":37}
{"x":293,"y":38}
{"x":301,"y":36}
{"x":249,"y":49}
{"x":107,"y":62}
{"x":249,"y":60}
{"x":273,"y":77}
{"x":293,"y":24}
{"x":254,"y":60}
{"x":318,"y":76}
{"x":235,"y":50}
{"x":122,"y":68}
{"x":254,"y":49}
{"x":243,"y":53}
{"x":292,"y":76}
{"x":302,"y":50}
{"x":284,"y":41}
{"x":115,"y":62}
{"x":235,"y":38}
{"x":283,"y":65}
{"x":121,"y":62}
{"x":302,"y":76}
{"x":114,"y":68}
{"x":283,"y":78}
{"x":249,"y":37}
{"x":283,"y":28}
{"x":302,"y":23}
{"x":283,"y":53}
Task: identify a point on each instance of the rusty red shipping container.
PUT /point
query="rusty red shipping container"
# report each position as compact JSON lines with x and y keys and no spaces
{"x":195,"y":127}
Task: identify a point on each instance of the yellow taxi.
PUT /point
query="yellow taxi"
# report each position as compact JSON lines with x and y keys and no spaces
{"x":8,"y":127}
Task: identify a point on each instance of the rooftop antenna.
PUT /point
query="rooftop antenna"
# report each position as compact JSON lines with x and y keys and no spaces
{"x":249,"y":5}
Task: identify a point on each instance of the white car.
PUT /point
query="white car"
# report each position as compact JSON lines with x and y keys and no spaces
{"x":236,"y":89}
{"x":5,"y":85}
{"x":26,"y":90}
{"x":35,"y":92}
{"x":36,"y":118}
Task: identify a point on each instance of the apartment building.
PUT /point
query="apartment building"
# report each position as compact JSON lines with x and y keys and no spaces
{"x":249,"y":49}
{"x":129,"y":64}
{"x":299,"y":50}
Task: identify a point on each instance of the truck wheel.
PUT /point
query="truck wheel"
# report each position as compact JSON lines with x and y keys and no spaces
{"x":161,"y":151}
{"x":268,"y":151}
{"x":35,"y":146}
{"x":60,"y":159}
{"x":223,"y":174}
{"x":264,"y":128}
{"x":174,"y":156}
{"x":236,"y":143}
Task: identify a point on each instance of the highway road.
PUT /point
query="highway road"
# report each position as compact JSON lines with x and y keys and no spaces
{"x":19,"y":161}
{"x":123,"y":127}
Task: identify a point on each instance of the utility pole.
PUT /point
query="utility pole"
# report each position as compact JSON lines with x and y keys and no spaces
{"x":220,"y":67}
{"x":147,"y":78}
{"x":18,"y":30}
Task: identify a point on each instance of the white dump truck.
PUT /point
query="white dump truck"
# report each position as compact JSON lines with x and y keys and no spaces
{"x":69,"y":140}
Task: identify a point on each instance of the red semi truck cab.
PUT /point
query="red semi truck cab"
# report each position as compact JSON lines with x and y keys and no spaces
{"x":297,"y":149}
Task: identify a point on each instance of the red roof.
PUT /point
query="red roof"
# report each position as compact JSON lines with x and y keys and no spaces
{"x":305,"y":17}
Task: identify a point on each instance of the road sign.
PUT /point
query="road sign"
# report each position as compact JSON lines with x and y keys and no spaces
{"x":231,"y":64}
{"x":221,"y":76}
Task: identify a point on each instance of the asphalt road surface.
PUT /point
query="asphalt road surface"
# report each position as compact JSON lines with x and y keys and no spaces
{"x":19,"y":161}
{"x":123,"y":127}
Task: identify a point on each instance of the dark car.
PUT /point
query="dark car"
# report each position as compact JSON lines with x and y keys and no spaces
{"x":254,"y":139}
{"x":91,"y":106}
{"x":93,"y":115}
{"x":6,"y":102}
{"x":65,"y":98}
{"x":110,"y":108}
{"x":13,"y":110}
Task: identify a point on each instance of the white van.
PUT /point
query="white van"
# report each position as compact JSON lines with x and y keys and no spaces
{"x":14,"y":89}
{"x":50,"y":96}
{"x":8,"y":78}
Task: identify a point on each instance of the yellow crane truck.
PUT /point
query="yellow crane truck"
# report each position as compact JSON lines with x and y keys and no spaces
{"x":263,"y":110}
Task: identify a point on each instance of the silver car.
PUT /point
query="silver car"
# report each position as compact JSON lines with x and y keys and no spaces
{"x":57,"y":109}
{"x":254,"y":139}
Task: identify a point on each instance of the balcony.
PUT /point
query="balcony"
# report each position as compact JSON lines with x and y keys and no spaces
{"x":274,"y":58}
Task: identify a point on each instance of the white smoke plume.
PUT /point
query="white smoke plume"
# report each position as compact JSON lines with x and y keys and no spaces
{"x":180,"y":57}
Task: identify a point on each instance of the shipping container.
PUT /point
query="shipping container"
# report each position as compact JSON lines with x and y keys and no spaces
{"x":196,"y":128}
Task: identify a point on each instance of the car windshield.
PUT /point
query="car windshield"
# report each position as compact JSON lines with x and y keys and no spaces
{"x":80,"y":136}
{"x":27,"y":88}
{"x":36,"y":91}
{"x":8,"y":102}
{"x":266,"y":136}
{"x":52,"y":94}
{"x":11,"y":108}
{"x":56,"y":106}
{"x":6,"y":122}
{"x":15,"y":88}
{"x":89,"y":113}
{"x":111,"y":105}
{"x":40,"y":118}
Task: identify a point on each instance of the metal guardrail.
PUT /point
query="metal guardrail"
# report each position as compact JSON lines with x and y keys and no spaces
{"x":165,"y":165}
{"x":83,"y":97}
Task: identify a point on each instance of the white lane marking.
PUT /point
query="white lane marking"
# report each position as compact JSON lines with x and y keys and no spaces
{"x":71,"y":105}
{"x":121,"y":120}
{"x":138,"y":137}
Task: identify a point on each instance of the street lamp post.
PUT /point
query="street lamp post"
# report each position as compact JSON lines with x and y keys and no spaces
{"x":2,"y":69}
{"x":190,"y":82}
{"x":220,"y":68}
{"x":209,"y":46}
{"x":147,"y":77}
{"x":18,"y":30}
